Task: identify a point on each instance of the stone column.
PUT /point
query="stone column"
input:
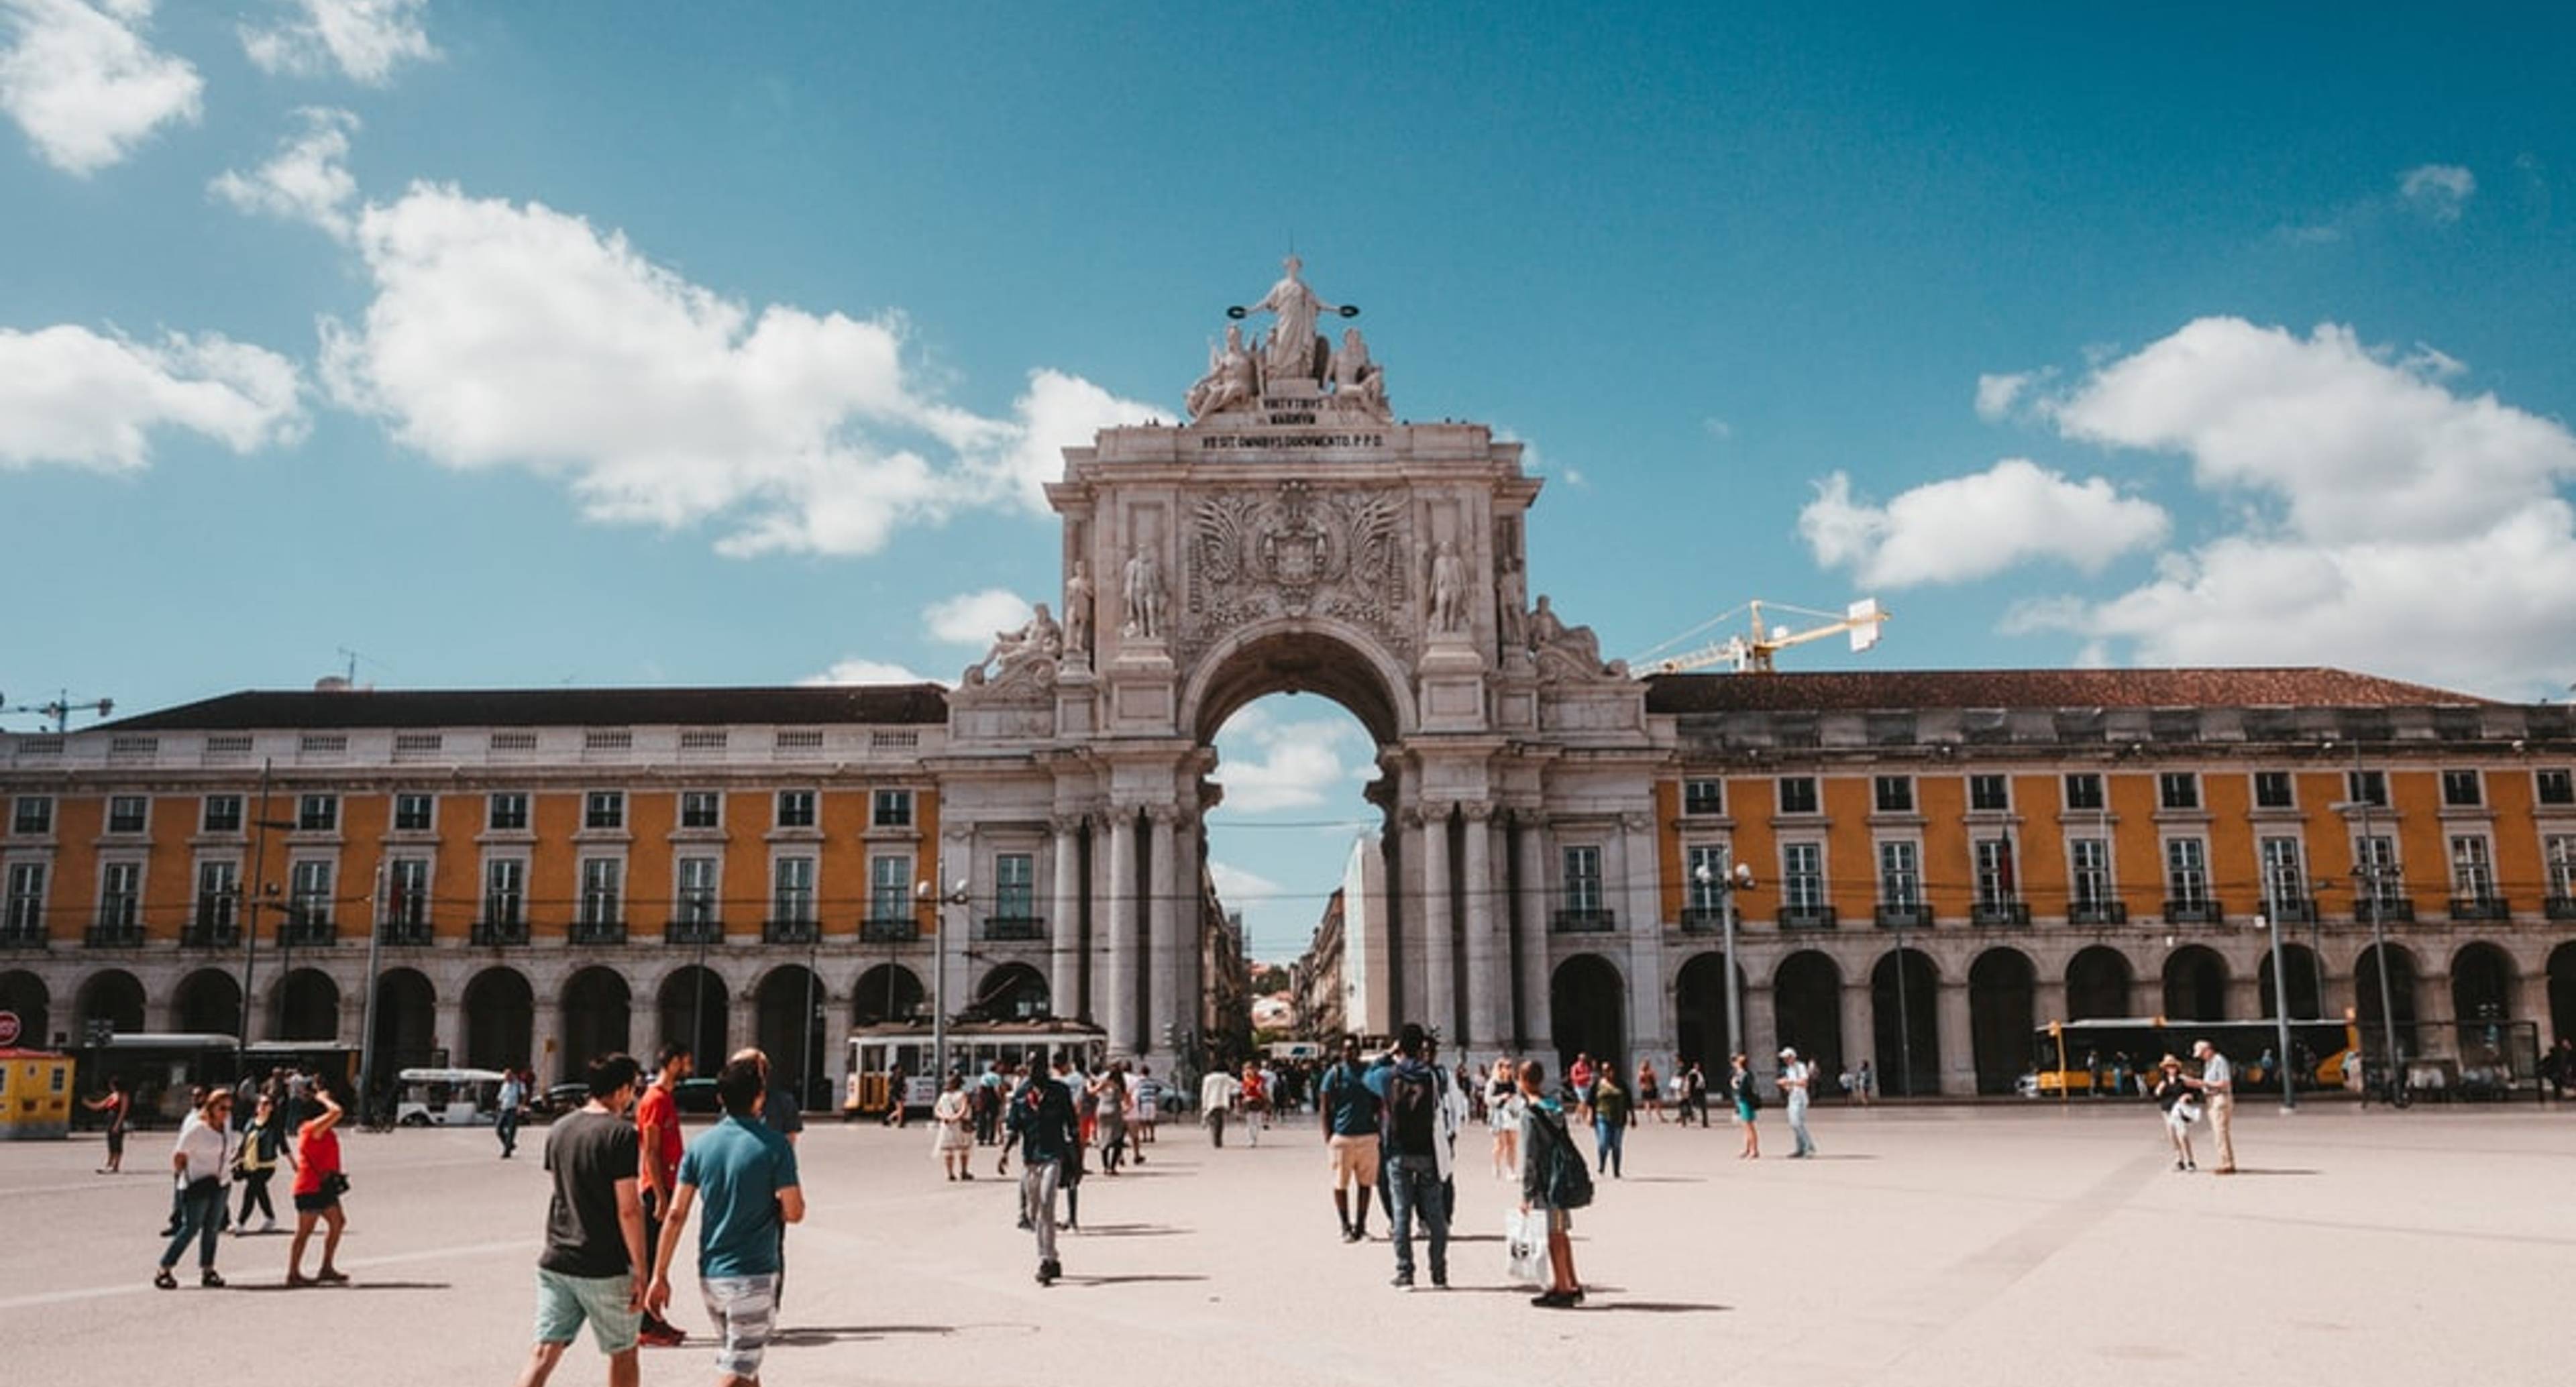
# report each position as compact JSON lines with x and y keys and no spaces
{"x":2432,"y":998}
{"x":1860,"y":1033}
{"x":951,"y":925}
{"x":1958,"y":1050}
{"x":1439,"y":960}
{"x":545,"y":1034}
{"x":1116,"y":999}
{"x":2048,"y":997}
{"x":1488,"y":984}
{"x":447,"y":1028}
{"x":1529,"y":923}
{"x":1649,"y":1002}
{"x":1164,"y":945}
{"x":1761,"y":1020}
{"x":2246,"y":999}
{"x":1189,"y":995}
{"x":1064,"y":919}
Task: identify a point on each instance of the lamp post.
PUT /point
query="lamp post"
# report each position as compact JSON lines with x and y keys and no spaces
{"x":2280,"y":989}
{"x":367,"y":1005}
{"x":2365,"y":876}
{"x":956,"y":895}
{"x":1724,"y":886}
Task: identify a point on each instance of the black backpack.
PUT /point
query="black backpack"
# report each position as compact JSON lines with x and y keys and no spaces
{"x":1412,"y":1116}
{"x":1565,"y":1177}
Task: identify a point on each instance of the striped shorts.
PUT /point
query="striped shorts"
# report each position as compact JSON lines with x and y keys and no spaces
{"x":742,"y":1310}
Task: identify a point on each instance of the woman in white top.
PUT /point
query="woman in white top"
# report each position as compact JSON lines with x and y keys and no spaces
{"x":953,"y":1139}
{"x":197,"y":1162}
{"x":1503,"y":1118}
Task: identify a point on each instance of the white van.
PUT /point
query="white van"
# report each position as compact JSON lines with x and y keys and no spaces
{"x":448,"y":1097}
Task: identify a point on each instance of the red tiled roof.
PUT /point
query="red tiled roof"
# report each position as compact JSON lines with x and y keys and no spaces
{"x":797,"y":704}
{"x":1856,"y":690}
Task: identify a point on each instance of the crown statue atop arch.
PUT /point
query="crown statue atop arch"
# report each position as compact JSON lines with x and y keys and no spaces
{"x":1292,"y":359}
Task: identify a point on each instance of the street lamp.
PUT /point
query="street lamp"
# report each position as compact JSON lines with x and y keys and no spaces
{"x":1724,"y":886}
{"x":928,"y":892}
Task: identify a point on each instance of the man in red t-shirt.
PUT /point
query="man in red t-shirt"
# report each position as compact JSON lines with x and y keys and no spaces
{"x":657,"y":1150}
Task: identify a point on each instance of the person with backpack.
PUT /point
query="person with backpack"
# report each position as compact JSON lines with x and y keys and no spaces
{"x":1350,"y":1113}
{"x":1042,"y":1118}
{"x":1554,"y":1183}
{"x":1410,"y":1093}
{"x":1748,"y":1101}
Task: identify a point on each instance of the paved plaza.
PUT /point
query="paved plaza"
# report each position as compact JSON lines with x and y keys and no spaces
{"x":1955,"y":1244}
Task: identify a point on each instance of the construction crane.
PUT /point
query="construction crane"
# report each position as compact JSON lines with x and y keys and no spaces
{"x":1750,"y":650}
{"x":61,"y":709}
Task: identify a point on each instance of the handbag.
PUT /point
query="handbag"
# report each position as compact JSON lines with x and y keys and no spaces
{"x":1525,"y":1247}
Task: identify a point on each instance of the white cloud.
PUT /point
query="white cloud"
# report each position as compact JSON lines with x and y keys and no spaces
{"x":1963,"y":528}
{"x":972,"y":618}
{"x":2438,"y":191}
{"x":1266,"y":764}
{"x":1717,"y":428}
{"x":1242,"y":889}
{"x":860,"y":670}
{"x":364,"y":39}
{"x":1997,"y":394}
{"x":80,"y":80}
{"x":2386,"y":520}
{"x":69,"y":395}
{"x":509,"y":335}
{"x":308,"y":179}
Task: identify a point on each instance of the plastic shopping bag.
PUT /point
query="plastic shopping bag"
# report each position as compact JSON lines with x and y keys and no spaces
{"x":1525,"y":1243}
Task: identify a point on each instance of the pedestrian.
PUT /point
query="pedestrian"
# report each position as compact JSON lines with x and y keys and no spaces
{"x":197,"y":1163}
{"x":1409,"y":1094}
{"x":505,"y":1115}
{"x":2217,"y":1088}
{"x":1739,"y":1084}
{"x":1109,"y":1120}
{"x":1695,"y":1095}
{"x":1254,"y":1096}
{"x":319,"y":1183}
{"x":894,"y":1116}
{"x":2352,"y":1080}
{"x":1609,"y":1123}
{"x":1648,"y":1091}
{"x":1796,"y":1078}
{"x":1503,"y":1117}
{"x":263,"y":1144}
{"x":1145,"y":1109}
{"x":594,"y":1268}
{"x":1217,"y":1094}
{"x":118,"y":1104}
{"x":2174,"y":1097}
{"x":1349,"y":1111}
{"x":657,"y":1167}
{"x":986,"y":1100}
{"x":953,"y":1142}
{"x":1864,"y":1084}
{"x":1042,"y":1121}
{"x":745,"y":1174}
{"x":1552,"y":1184}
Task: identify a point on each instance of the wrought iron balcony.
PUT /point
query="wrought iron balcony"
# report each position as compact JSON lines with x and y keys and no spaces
{"x":2481,"y":908}
{"x":405,"y":934}
{"x":27,"y":936}
{"x":2098,"y":913}
{"x":1002,"y":929}
{"x":307,"y":933}
{"x":1591,"y":921}
{"x":596,"y":932}
{"x":210,"y":934}
{"x":1703,"y":919}
{"x":2199,"y":911}
{"x":1915,"y":916}
{"x":501,"y":934}
{"x":2295,"y":910}
{"x":114,"y":934}
{"x":1809,"y":917}
{"x":790,"y":931}
{"x":893,"y":929}
{"x":1999,"y":914}
{"x":2397,"y":910}
{"x":693,"y":933}
{"x":2560,"y":907}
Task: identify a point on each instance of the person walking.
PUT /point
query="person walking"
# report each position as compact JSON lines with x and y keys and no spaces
{"x":1349,"y":1110}
{"x":1694,"y":1095}
{"x":1547,"y":1154}
{"x":1409,"y":1094}
{"x":1503,"y":1117}
{"x":2174,"y":1097}
{"x":506,"y":1106}
{"x":894,"y":1116}
{"x":197,"y":1162}
{"x":594,"y":1268}
{"x":986,"y":1100}
{"x":1042,"y":1121}
{"x":1144,"y":1109}
{"x":1609,"y":1123}
{"x":1648,"y":1092}
{"x":319,"y":1183}
{"x":954,"y":1143}
{"x":263,"y":1144}
{"x":118,"y":1104}
{"x":2217,"y":1088}
{"x":1255,"y":1099}
{"x":657,"y":1168}
{"x":1217,"y":1093}
{"x":1109,"y":1120}
{"x":1797,"y":1077}
{"x":745,"y":1174}
{"x":1864,"y":1084}
{"x":1739,"y":1085}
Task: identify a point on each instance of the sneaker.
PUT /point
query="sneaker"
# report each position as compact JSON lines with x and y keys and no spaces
{"x":210,"y":1279}
{"x":1403,"y":1281}
{"x":1553,"y":1300}
{"x":165,"y":1280}
{"x":1350,"y":1234}
{"x":330,"y":1277}
{"x":1048,"y":1272}
{"x":1440,"y":1280}
{"x":269,"y":1224}
{"x":660,"y":1336}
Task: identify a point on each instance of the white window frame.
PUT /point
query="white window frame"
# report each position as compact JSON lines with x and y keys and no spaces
{"x":811,"y":802}
{"x":410,"y":903}
{"x":1580,"y":883}
{"x":2254,"y":788}
{"x":44,"y":807}
{"x":2187,"y":869}
{"x":603,"y":804}
{"x":1802,"y":874}
{"x":2379,"y":850}
{"x":217,"y":905}
{"x":712,"y":800}
{"x":317,"y":812}
{"x":426,"y":800}
{"x":1900,"y":883}
{"x":2558,"y":859}
{"x":519,"y":802}
{"x":794,"y":903}
{"x":599,"y":889}
{"x":1903,"y":785}
{"x":206,"y":814}
{"x":1706,"y":897}
{"x":890,"y":887}
{"x":896,"y":799}
{"x":22,"y":901}
{"x":2285,"y":873}
{"x":2473,"y":875}
{"x":2477,"y":786}
{"x":2101,"y":792}
{"x":1815,"y":791}
{"x":2094,"y":885}
{"x":516,"y":897}
{"x":310,"y":882}
{"x":697,"y":902}
{"x":1691,"y":782}
{"x":2003,"y":780}
{"x":1024,"y":904}
{"x":142,"y":826}
{"x":1995,"y":862}
{"x":2166,"y":781}
{"x":120,"y":909}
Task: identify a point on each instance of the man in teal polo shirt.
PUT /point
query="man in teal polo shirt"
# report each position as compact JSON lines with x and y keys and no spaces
{"x":746,"y":1175}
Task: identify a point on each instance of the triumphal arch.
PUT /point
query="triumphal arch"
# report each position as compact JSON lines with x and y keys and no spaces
{"x":1295,"y":535}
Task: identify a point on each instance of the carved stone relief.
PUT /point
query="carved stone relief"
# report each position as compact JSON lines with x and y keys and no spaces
{"x":1258,"y":553}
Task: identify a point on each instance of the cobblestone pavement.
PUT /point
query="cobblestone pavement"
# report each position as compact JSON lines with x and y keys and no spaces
{"x":1985,"y":1245}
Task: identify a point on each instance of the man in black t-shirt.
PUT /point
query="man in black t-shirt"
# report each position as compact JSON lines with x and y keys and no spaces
{"x":593,"y":1268}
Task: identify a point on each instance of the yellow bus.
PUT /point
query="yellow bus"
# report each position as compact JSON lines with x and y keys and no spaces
{"x":2105,"y":1057}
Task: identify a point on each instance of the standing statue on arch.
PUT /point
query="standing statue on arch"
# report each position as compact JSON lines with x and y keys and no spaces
{"x":1295,"y":351}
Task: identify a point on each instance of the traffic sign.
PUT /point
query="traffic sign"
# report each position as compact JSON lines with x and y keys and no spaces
{"x":8,"y":1028}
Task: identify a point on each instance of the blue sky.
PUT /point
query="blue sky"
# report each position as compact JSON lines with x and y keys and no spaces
{"x":521,"y":345}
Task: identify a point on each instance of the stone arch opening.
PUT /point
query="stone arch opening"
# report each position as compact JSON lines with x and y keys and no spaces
{"x":2098,"y":983}
{"x":207,"y":1002}
{"x":2195,"y":984}
{"x":2401,"y":1000}
{"x":406,"y":1022}
{"x":598,"y":1017}
{"x":1590,"y":1005}
{"x":308,"y":1006}
{"x":2299,"y":970}
{"x":790,"y":1027}
{"x":1807,"y":1003}
{"x":26,"y":995}
{"x":500,"y":1016}
{"x":1011,"y":992}
{"x":111,"y":995}
{"x":1699,"y":1011}
{"x":1299,"y":655}
{"x":1904,"y":998}
{"x":887,"y":992}
{"x":2002,"y":1001}
{"x":2483,"y":979}
{"x":693,"y":1010}
{"x":2562,"y":990}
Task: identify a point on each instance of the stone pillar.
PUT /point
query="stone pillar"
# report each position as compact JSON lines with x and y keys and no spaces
{"x":1116,"y":999}
{"x":1164,"y":942}
{"x":545,"y":1034}
{"x":2245,"y":997}
{"x":1064,"y":919}
{"x":2432,"y":999}
{"x":353,"y":1012}
{"x":1439,"y":956}
{"x":1488,"y":982}
{"x":1958,"y":1051}
{"x":1761,"y":1021}
{"x":1189,"y":995}
{"x":1529,"y":924}
{"x":1860,"y":1030}
{"x":2048,"y":997}
{"x":447,"y":1027}
{"x":1649,"y":1002}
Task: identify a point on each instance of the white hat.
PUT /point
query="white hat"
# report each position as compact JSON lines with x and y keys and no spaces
{"x":1787,"y":1054}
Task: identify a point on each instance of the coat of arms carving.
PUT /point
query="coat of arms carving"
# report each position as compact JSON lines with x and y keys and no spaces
{"x":1290,"y":551}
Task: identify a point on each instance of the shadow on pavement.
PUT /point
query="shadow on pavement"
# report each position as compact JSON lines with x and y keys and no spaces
{"x":2259,"y":1170}
{"x":268,"y":1286}
{"x":814,"y":1336}
{"x":1659,"y":1307}
{"x":1132,"y":1230}
{"x":1136,"y":1280}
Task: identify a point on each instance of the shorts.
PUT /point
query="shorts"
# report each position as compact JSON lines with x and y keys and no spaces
{"x":564,"y":1302}
{"x":741,"y":1309}
{"x":316,"y":1203}
{"x":115,"y":1143}
{"x":1558,"y":1220}
{"x":1353,"y":1159}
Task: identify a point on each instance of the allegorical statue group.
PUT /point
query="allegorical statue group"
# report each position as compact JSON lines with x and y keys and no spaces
{"x":1238,"y":373}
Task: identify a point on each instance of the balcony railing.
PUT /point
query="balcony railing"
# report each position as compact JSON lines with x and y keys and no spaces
{"x":2098,"y":913}
{"x":893,"y":929}
{"x":308,"y":933}
{"x":1999,"y":914}
{"x":790,"y":931}
{"x":2560,"y":907}
{"x":111,"y":934}
{"x":500,"y":934}
{"x":1809,"y":917}
{"x":2200,"y":911}
{"x":1703,"y":919}
{"x":1585,"y":921}
{"x":406,"y":934}
{"x":1915,"y":916}
{"x":2481,"y":908}
{"x":2396,"y":911}
{"x":2295,"y":910}
{"x":22,"y":936}
{"x":692,"y":933}
{"x":596,"y":932}
{"x":1002,"y":929}
{"x":210,"y":934}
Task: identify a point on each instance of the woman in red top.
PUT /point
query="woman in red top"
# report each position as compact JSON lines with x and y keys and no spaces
{"x":318,"y":1184}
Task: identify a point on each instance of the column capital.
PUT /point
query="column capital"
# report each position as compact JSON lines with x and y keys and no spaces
{"x":1065,"y":825}
{"x":1477,"y":811}
{"x":1529,"y":820}
{"x":1163,"y":815}
{"x":1636,"y":823}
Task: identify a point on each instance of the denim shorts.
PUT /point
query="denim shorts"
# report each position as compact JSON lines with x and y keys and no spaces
{"x":742,"y":1310}
{"x":563,"y":1302}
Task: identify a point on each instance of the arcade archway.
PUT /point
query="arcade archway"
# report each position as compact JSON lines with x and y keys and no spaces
{"x":1904,"y":995}
{"x":887,"y":992}
{"x":2299,"y":970}
{"x":2002,"y":993}
{"x":2195,"y":985}
{"x":2483,"y":980}
{"x":1589,"y":1003}
{"x":406,"y":1021}
{"x":2098,"y":982}
{"x":500,"y":1014}
{"x":2401,"y":999}
{"x":112,"y":996}
{"x":1011,"y":992}
{"x":790,"y":1029}
{"x":1807,"y":1001}
{"x":1699,"y":1011}
{"x":207,"y":1002}
{"x":308,"y":1006}
{"x":26,"y":996}
{"x":693,"y":1012}
{"x":597,"y":1019}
